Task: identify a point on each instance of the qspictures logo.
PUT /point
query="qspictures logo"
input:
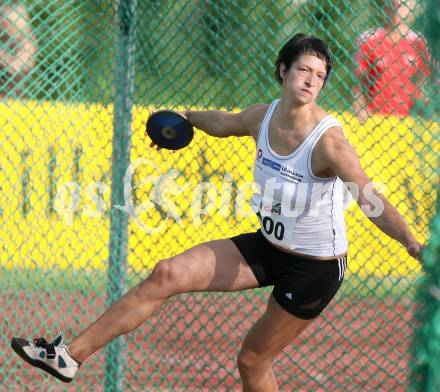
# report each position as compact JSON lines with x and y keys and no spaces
{"x":205,"y":198}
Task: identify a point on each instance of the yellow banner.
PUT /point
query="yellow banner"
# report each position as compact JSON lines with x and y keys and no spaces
{"x":55,"y":188}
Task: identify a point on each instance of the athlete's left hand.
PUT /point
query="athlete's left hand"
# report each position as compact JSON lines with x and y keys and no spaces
{"x":414,"y":249}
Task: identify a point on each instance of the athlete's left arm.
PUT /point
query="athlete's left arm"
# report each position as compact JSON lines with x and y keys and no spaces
{"x":338,"y":154}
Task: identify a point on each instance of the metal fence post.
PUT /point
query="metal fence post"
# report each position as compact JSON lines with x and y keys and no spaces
{"x":123,"y":102}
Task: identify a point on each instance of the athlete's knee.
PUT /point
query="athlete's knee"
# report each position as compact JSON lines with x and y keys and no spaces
{"x":168,"y":273}
{"x":164,"y":272}
{"x":249,"y":361}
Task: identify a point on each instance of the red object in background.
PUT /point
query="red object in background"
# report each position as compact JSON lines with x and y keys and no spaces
{"x":389,"y":68}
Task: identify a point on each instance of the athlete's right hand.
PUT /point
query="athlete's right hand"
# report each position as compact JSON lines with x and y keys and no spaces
{"x":152,"y":145}
{"x":157,"y":147}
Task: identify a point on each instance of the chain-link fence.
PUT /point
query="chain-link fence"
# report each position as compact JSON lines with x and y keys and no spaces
{"x":78,"y":81}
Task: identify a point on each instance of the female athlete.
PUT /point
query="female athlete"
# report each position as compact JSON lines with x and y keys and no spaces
{"x":302,"y":158}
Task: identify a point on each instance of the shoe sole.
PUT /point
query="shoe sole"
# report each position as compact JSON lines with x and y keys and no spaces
{"x":17,"y":347}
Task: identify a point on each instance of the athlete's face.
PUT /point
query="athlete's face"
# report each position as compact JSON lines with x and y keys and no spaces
{"x":304,"y":79}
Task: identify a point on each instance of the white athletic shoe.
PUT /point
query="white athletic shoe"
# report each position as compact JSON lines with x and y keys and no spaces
{"x":53,"y":357}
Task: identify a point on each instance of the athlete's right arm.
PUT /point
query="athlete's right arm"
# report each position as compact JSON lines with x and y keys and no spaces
{"x":224,"y":124}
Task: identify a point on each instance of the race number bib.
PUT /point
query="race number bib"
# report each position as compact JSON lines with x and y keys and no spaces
{"x":276,"y":227}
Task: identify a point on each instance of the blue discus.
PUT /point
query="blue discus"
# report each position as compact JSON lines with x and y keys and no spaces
{"x":169,"y":129}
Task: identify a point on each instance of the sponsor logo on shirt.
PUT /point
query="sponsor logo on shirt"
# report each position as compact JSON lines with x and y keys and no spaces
{"x":290,"y":173}
{"x":273,"y":165}
{"x":285,"y":171}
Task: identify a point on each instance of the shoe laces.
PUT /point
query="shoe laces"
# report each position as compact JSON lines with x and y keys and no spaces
{"x":49,"y":347}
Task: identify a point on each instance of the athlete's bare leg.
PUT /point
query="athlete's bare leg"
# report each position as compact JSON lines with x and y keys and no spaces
{"x":265,"y":340}
{"x":213,"y":266}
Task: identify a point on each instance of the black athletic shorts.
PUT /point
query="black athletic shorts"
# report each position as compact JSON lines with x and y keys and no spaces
{"x":302,"y":286}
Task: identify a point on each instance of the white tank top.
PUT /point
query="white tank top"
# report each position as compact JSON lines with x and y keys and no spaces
{"x":303,"y":213}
